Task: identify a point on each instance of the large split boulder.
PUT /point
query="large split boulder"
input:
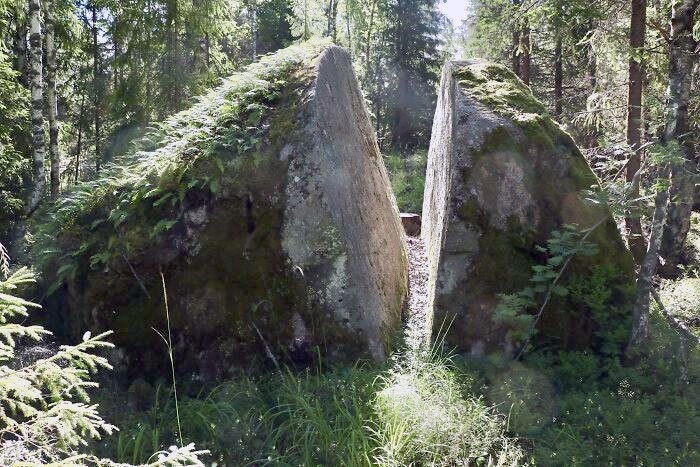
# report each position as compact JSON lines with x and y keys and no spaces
{"x":268,"y":211}
{"x":502,"y":176}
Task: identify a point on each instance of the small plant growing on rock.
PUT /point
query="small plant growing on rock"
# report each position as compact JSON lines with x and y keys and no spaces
{"x":561,"y":248}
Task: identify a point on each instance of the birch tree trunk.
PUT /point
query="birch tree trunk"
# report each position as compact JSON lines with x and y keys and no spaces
{"x":684,"y":174}
{"x":20,"y":47}
{"x":54,"y":153}
{"x":36,"y":85}
{"x":636,"y":240}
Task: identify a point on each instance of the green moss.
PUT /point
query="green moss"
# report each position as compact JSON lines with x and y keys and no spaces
{"x":498,"y":88}
{"x":682,"y":299}
{"x":190,"y":155}
{"x":232,"y":271}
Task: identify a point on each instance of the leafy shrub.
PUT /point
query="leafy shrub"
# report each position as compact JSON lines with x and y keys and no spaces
{"x":581,"y":408}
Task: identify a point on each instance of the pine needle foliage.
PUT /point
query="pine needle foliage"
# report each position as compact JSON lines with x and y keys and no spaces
{"x":45,"y":411}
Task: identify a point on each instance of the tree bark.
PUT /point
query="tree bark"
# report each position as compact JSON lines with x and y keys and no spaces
{"x":515,"y":56}
{"x":368,"y":41}
{"x":637,"y":33}
{"x":51,"y":97}
{"x":347,"y":26}
{"x":97,"y":87}
{"x":79,"y":145}
{"x":37,"y":116}
{"x":684,"y":174}
{"x":558,"y":76}
{"x":334,"y":21}
{"x":254,"y":27}
{"x":20,"y":48}
{"x":515,"y":44}
{"x":640,"y":325}
{"x":525,"y":58}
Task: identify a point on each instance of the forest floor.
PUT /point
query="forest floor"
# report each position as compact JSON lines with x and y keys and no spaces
{"x":417,"y":290}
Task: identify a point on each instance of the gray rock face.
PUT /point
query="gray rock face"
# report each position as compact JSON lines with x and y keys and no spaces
{"x":341,"y":222}
{"x":501,"y":177}
{"x":299,"y":248}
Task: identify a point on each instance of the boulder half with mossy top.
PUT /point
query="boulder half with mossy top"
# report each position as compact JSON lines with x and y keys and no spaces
{"x":505,"y":192}
{"x":264,"y":211}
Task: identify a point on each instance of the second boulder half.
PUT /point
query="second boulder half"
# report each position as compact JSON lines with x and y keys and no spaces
{"x":502,"y":179}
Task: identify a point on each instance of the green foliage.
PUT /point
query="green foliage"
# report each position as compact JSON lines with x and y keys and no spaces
{"x":580,"y":408}
{"x":420,"y":410}
{"x":308,"y":418}
{"x":44,"y":408}
{"x":14,"y":123}
{"x":191,"y":154}
{"x":407,"y":176}
{"x":45,"y":412}
{"x":512,"y":310}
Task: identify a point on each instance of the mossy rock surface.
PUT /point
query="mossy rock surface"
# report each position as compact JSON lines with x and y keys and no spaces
{"x":268,"y":210}
{"x":682,"y":299}
{"x":501,"y":177}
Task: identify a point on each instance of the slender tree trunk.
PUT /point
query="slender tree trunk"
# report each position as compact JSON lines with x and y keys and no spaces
{"x":37,"y":90}
{"x":515,"y":57}
{"x":347,"y":26}
{"x":306,"y":20}
{"x":636,"y":240}
{"x":681,"y":61}
{"x":368,"y":41}
{"x":97,"y":88}
{"x":174,"y":60}
{"x":20,"y":48}
{"x":676,"y":127}
{"x":515,"y":46}
{"x":79,"y":145}
{"x":640,"y":325}
{"x":334,"y":21}
{"x":52,"y":99}
{"x":329,"y":10}
{"x":525,"y":59}
{"x":558,"y":76}
{"x":254,"y":27}
{"x":148,"y":111}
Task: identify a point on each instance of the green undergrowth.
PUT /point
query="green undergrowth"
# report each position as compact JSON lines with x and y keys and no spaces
{"x":415,"y":410}
{"x":584,"y":409}
{"x":407,"y":176}
{"x":189,"y":156}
